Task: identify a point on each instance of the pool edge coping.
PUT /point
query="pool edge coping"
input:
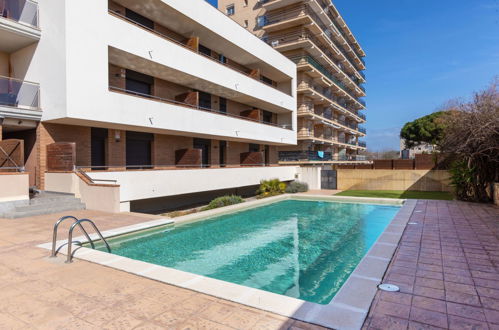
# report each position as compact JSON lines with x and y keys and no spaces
{"x":348,"y":308}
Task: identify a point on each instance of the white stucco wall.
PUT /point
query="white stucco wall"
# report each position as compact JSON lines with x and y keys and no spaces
{"x":135,"y":185}
{"x":71,"y":64}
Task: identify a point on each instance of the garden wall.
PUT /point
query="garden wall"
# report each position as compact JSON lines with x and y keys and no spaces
{"x":416,"y":180}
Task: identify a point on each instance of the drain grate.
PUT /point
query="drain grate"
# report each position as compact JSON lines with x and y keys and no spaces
{"x":388,"y":287}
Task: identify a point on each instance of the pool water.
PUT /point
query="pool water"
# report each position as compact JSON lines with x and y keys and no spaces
{"x":301,"y":249}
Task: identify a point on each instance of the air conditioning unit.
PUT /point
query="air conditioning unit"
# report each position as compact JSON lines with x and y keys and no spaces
{"x":275,"y":43}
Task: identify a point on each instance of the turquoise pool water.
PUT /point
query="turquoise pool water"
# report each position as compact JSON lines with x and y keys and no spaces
{"x":301,"y":249}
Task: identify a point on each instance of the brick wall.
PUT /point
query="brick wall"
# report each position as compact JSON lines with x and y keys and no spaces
{"x":50,"y":133}
{"x":116,"y":149}
{"x":165,"y":146}
{"x":116,"y":76}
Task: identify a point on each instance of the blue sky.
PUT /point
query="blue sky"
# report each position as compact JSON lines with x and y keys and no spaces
{"x":419,"y":55}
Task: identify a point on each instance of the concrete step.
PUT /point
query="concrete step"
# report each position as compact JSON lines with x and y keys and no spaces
{"x":27,"y":212}
{"x":50,"y":200}
{"x":49,"y":205}
{"x":45,"y":203}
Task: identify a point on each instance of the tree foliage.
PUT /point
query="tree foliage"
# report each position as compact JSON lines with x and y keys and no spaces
{"x":428,"y":129}
{"x":472,"y":137}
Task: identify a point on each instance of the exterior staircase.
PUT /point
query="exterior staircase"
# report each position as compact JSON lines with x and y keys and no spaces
{"x":42,"y":203}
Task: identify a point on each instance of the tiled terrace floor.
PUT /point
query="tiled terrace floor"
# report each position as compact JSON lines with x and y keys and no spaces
{"x":40,"y":293}
{"x":447,"y":267}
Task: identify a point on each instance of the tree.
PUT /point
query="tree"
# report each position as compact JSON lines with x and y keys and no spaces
{"x":428,"y":129}
{"x":472,"y":137}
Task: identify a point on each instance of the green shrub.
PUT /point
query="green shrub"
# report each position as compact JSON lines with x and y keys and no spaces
{"x":271,"y":188}
{"x":296,"y":187}
{"x":224,"y":201}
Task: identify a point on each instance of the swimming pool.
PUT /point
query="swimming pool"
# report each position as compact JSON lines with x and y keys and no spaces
{"x":303,"y":249}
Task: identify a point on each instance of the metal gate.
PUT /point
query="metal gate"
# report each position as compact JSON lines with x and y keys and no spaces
{"x":328,"y":179}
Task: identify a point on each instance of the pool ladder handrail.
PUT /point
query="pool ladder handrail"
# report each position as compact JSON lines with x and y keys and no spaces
{"x":70,"y":241}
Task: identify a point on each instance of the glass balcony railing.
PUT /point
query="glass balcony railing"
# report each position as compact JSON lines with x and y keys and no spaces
{"x":316,"y":156}
{"x":19,"y":94}
{"x":362,"y":130}
{"x":22,"y":11}
{"x":362,"y":144}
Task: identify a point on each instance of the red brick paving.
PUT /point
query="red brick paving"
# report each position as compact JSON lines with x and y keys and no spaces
{"x":447,"y":267}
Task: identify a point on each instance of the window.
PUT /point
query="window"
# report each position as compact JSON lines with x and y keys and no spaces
{"x":245,"y":23}
{"x":245,"y":3}
{"x":267,"y":117}
{"x":254,"y":147}
{"x":231,"y":10}
{"x":138,"y":83}
{"x":144,"y":21}
{"x":266,"y":80}
{"x":204,"y":50}
{"x":223,"y":104}
{"x":205,"y":100}
{"x":261,"y":21}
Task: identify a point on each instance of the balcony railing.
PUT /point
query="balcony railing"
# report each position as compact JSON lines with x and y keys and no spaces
{"x":362,"y":144}
{"x":292,"y":37}
{"x":310,"y":60}
{"x":362,"y":130}
{"x":196,"y":107}
{"x":22,"y":11}
{"x":316,"y":156}
{"x":19,"y":94}
{"x":226,"y":64}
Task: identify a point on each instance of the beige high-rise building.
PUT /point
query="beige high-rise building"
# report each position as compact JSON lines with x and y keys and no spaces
{"x":330,"y":77}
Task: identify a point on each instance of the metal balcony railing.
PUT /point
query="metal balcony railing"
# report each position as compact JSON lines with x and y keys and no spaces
{"x":247,"y":72}
{"x":310,"y":60}
{"x":195,"y":106}
{"x":22,"y":11}
{"x":19,"y":94}
{"x":316,"y":156}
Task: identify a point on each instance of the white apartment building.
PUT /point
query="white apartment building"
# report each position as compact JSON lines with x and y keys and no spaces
{"x":149,"y":99}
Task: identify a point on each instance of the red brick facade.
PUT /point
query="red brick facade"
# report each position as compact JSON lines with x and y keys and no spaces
{"x":163,"y":148}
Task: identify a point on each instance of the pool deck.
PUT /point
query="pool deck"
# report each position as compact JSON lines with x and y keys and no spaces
{"x":447,"y":265}
{"x":41,"y":293}
{"x":447,"y":268}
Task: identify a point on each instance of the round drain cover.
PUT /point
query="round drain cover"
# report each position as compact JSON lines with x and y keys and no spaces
{"x":389,"y":287}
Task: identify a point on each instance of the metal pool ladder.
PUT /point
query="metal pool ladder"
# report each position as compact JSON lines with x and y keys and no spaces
{"x":69,"y":243}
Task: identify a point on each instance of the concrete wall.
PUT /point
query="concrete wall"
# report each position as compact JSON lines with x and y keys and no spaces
{"x":18,"y":184}
{"x":95,"y":196}
{"x":136,"y":185}
{"x":419,"y":180}
{"x":312,"y":176}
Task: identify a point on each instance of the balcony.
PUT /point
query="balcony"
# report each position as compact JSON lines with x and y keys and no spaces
{"x":19,"y":99}
{"x":193,"y":103}
{"x":362,"y":130}
{"x":328,"y":74}
{"x":316,"y":157}
{"x":362,"y":144}
{"x":300,"y":39}
{"x":251,"y":73}
{"x":18,"y":24}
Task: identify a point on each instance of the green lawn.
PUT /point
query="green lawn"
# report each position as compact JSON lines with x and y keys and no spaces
{"x":398,"y":194}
